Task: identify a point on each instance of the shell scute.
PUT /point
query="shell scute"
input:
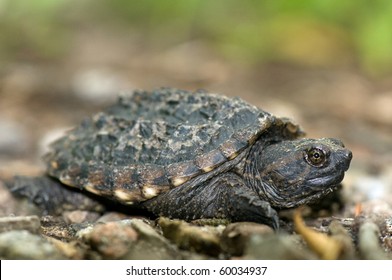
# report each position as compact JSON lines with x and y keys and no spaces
{"x":153,"y":175}
{"x":180,"y":172}
{"x":210,"y":160}
{"x":232,"y":147}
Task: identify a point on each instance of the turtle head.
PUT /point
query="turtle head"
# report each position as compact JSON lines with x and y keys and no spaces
{"x":301,"y":171}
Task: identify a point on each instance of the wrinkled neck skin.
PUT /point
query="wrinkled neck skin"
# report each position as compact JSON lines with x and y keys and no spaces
{"x":260,"y":181}
{"x":280,"y":175}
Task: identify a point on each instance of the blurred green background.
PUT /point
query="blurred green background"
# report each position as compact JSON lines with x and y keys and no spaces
{"x":325,"y":33}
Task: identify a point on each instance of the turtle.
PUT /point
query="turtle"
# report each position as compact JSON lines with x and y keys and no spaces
{"x":197,"y":155}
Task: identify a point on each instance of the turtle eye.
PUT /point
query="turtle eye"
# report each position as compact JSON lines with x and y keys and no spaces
{"x":316,"y":157}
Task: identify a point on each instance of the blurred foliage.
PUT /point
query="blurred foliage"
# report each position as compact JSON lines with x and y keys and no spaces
{"x":31,"y":29}
{"x":313,"y":32}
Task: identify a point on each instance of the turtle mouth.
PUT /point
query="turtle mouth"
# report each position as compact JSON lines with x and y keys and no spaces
{"x":308,"y":196}
{"x":320,"y":183}
{"x":313,"y":190}
{"x":316,"y":188}
{"x":318,"y":194}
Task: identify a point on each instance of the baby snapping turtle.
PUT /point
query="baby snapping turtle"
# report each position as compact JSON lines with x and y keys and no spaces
{"x":197,"y":155}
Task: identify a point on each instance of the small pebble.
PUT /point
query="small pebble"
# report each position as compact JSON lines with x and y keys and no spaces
{"x":71,"y":250}
{"x":80,"y":216}
{"x":151,"y":244}
{"x":21,"y":244}
{"x":146,"y":231}
{"x":189,"y":237}
{"x":112,"y":240}
{"x":29,"y":223}
{"x":277,"y":247}
{"x":369,"y":242}
{"x":111,"y":217}
{"x":236,"y":236}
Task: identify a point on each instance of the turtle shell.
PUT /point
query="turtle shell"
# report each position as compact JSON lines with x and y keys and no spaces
{"x":150,"y":142}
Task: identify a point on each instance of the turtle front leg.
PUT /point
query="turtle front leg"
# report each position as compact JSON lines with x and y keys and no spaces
{"x":223,"y":197}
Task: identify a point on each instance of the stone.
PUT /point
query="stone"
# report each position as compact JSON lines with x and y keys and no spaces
{"x":369,"y":242}
{"x":80,"y":216}
{"x":277,"y":247}
{"x":190,"y":237}
{"x":236,"y":236}
{"x":29,"y":223}
{"x":151,"y":244}
{"x":22,"y":244}
{"x":112,"y":240}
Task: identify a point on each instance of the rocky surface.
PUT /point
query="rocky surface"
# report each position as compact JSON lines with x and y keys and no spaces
{"x":114,"y":235}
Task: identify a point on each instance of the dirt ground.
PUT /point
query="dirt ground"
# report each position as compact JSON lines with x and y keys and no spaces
{"x":39,"y":100}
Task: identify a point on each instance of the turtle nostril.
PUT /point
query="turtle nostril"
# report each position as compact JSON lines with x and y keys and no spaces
{"x":346,"y":154}
{"x":349,"y":154}
{"x":346,"y":158}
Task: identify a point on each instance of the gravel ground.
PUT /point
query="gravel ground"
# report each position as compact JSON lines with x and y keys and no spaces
{"x":39,"y":101}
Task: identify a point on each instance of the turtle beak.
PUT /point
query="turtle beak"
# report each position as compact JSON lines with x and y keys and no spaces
{"x":346,"y":156}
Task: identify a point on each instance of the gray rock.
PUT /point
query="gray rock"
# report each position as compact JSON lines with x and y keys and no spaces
{"x":112,"y":217}
{"x":277,"y":247}
{"x":22,"y":244}
{"x":144,"y":250}
{"x":369,"y":242}
{"x":190,"y":237}
{"x":71,"y":250}
{"x":29,"y":223}
{"x":151,"y":244}
{"x":112,"y":240}
{"x":146,"y":231}
{"x":80,"y":216}
{"x":236,"y":236}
